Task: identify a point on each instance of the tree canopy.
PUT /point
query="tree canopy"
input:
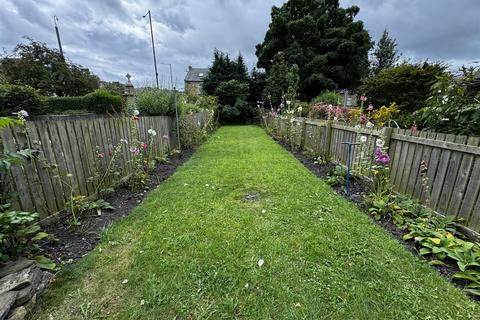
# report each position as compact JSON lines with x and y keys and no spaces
{"x":385,"y":54}
{"x":45,"y":69}
{"x":322,"y":39}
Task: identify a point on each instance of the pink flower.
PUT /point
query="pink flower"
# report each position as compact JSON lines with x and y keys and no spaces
{"x":144,"y":146}
{"x":381,"y":157}
{"x":370,"y":107}
{"x":363,"y":119}
{"x":413,"y":129}
{"x":363,"y":98}
{"x":101,"y":155}
{"x":135,"y":150}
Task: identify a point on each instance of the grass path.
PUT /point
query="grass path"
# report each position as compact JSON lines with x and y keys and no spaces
{"x":191,"y":250}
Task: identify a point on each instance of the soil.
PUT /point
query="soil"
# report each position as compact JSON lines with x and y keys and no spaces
{"x":358,"y":190}
{"x":74,"y":242}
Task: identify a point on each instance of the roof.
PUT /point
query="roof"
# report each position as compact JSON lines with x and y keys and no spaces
{"x":196,"y":74}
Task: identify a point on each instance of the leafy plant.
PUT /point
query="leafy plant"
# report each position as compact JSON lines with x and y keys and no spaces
{"x":337,"y":177}
{"x":80,"y":206}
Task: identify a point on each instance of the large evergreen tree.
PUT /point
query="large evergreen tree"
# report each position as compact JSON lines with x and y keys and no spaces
{"x":385,"y":54}
{"x":322,"y":39}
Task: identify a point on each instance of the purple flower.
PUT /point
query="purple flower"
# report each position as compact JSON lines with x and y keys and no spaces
{"x":370,"y":107}
{"x":363,"y":119}
{"x":381,"y":157}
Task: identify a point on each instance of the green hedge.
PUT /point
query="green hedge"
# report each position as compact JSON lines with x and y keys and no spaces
{"x":100,"y":101}
{"x":14,"y":98}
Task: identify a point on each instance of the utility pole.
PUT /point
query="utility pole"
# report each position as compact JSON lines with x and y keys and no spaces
{"x":153,"y":45}
{"x":55,"y":19}
{"x":174,"y":92}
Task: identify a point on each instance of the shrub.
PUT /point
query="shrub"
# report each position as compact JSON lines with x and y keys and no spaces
{"x":454,"y":106}
{"x":155,"y":102}
{"x":328,"y":97}
{"x":100,"y":101}
{"x":14,"y":98}
{"x":408,"y":85}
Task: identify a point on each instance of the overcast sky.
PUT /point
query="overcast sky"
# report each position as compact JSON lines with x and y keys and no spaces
{"x":111,"y":38}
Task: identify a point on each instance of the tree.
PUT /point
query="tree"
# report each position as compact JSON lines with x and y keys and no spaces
{"x":45,"y":69}
{"x":224,"y":69}
{"x":322,"y":39}
{"x":258,"y":81}
{"x":282,"y":82}
{"x":385,"y":54}
{"x":407,"y":84}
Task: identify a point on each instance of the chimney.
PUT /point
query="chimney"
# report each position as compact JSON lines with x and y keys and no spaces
{"x":189,"y":67}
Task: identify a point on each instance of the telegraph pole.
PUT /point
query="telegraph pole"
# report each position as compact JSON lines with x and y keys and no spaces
{"x":55,"y":19}
{"x":153,"y":45}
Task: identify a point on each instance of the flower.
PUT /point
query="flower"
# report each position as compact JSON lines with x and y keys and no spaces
{"x":379,"y":143}
{"x":335,"y":118}
{"x":370,"y":107}
{"x":381,"y":157}
{"x":135,"y":150}
{"x":363,"y":119}
{"x":357,"y":126}
{"x":135,"y":112}
{"x":165,"y":136}
{"x":144,"y":146}
{"x":101,"y":155}
{"x":363,"y":98}
{"x":124,"y":141}
{"x":299,"y":109}
{"x":363,"y":139}
{"x":369,"y":125}
{"x":152,"y":132}
{"x":288,"y":102}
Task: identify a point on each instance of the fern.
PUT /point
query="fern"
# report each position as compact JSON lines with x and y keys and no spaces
{"x":7,"y":121}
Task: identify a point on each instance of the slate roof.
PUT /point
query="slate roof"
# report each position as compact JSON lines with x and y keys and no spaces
{"x":196,"y":74}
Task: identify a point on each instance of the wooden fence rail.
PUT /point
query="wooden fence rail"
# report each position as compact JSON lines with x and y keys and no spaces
{"x":72,"y":148}
{"x":453,"y":161}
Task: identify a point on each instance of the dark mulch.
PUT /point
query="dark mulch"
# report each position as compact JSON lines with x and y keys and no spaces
{"x":74,"y":242}
{"x":358,"y":190}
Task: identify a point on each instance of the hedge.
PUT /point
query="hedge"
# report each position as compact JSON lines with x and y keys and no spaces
{"x":100,"y":101}
{"x":14,"y":98}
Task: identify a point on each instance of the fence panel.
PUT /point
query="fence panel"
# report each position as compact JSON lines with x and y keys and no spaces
{"x":453,"y":161}
{"x":71,"y":148}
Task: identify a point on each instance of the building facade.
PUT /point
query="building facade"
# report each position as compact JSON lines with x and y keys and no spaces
{"x":194,"y":80}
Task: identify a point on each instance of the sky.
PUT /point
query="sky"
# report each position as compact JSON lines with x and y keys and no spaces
{"x":112,"y":38}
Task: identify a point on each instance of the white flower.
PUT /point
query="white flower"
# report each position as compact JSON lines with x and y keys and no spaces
{"x":358,"y":126}
{"x":142,"y":302}
{"x":124,"y":141}
{"x":363,"y":139}
{"x":260,"y":262}
{"x":299,"y":109}
{"x":152,"y":132}
{"x":198,"y":123}
{"x":246,"y":286}
{"x":369,"y":125}
{"x":125,"y":281}
{"x":135,"y":112}
{"x":379,"y":143}
{"x":264,"y":211}
{"x":335,"y":119}
{"x":22,"y":114}
{"x":288,"y":102}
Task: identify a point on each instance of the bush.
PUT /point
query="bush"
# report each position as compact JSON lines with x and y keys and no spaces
{"x":454,"y":106}
{"x":408,"y":85}
{"x":100,"y":101}
{"x":155,"y":102}
{"x":14,"y":98}
{"x":328,"y":97}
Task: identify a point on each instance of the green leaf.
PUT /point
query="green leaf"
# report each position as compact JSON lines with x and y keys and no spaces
{"x":40,"y":236}
{"x":45,"y":263}
{"x":436,"y":263}
{"x":424,"y":251}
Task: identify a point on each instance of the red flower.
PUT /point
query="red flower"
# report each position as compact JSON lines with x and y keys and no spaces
{"x":144,"y":146}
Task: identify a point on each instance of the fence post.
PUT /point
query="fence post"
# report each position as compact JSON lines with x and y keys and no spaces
{"x":304,"y":132}
{"x":328,"y":138}
{"x":387,"y":135}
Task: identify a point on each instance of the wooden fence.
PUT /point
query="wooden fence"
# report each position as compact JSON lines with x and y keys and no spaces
{"x":72,"y":148}
{"x":453,"y":161}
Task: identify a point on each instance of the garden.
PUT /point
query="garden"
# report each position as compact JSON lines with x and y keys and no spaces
{"x":333,"y":180}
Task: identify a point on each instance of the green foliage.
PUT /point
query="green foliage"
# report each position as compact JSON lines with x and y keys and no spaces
{"x":155,"y":102}
{"x":100,"y":101}
{"x":14,"y":98}
{"x":408,"y":85}
{"x":454,"y":106}
{"x":196,"y":103}
{"x":232,"y":98}
{"x":45,"y":69}
{"x":282,"y":83}
{"x":224,"y":69}
{"x":192,"y":132}
{"x":328,"y":97}
{"x":80,"y":206}
{"x":322,"y":39}
{"x":258,"y":81}
{"x":337,"y":177}
{"x":385,"y":55}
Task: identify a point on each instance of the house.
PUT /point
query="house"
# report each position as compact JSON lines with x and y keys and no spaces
{"x":194,"y":80}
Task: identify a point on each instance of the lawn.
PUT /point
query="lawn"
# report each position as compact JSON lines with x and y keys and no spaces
{"x":194,"y":250}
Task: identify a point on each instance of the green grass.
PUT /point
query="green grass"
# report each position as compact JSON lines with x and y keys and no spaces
{"x":191,"y":250}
